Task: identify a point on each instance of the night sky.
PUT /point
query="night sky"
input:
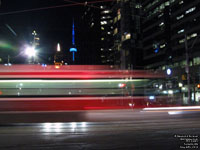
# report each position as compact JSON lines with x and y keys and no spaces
{"x":53,"y":25}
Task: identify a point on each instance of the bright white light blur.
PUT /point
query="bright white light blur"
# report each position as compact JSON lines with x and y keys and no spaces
{"x":180,"y":84}
{"x":121,"y":85}
{"x":165,"y":92}
{"x":73,"y":125}
{"x":170,"y":92}
{"x":30,"y":51}
{"x":161,"y":87}
{"x":9,"y":64}
{"x":47,"y":125}
{"x":52,"y":127}
{"x":183,"y":88}
{"x":58,"y":47}
{"x":58,"y":125}
{"x":151,"y":97}
{"x":173,"y":108}
{"x":174,"y":112}
{"x":83,"y":124}
{"x":169,"y":71}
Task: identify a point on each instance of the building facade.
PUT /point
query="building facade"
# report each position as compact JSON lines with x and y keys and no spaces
{"x":115,"y":28}
{"x":127,"y":44}
{"x":171,"y":39}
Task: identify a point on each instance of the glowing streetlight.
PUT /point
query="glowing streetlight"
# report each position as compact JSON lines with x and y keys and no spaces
{"x":30,"y":51}
{"x":169,"y":71}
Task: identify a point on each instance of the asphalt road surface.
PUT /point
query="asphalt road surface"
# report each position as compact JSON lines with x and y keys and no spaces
{"x":97,"y":130}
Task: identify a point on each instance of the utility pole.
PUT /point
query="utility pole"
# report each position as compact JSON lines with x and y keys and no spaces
{"x":187,"y":70}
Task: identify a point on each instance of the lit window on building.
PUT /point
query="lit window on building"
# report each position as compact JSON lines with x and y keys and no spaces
{"x":122,"y":38}
{"x":161,"y":24}
{"x":115,"y":19}
{"x":196,"y":60}
{"x":105,"y":12}
{"x":101,"y":49}
{"x":92,"y":24}
{"x":172,"y":1}
{"x":181,"y":2}
{"x":115,"y":31}
{"x":190,"y":10}
{"x":162,"y":46}
{"x":181,"y":31}
{"x":109,"y":33}
{"x":181,"y":41}
{"x":138,"y":6}
{"x":151,"y":4}
{"x":105,"y":17}
{"x":193,"y":35}
{"x":160,"y":15}
{"x":102,"y":39}
{"x":102,"y":28}
{"x":103,"y":22}
{"x":183,"y":63}
{"x":128,"y":36}
{"x":167,"y":3}
{"x":118,"y":14}
{"x":110,"y":49}
{"x":179,"y":17}
{"x":102,"y":56}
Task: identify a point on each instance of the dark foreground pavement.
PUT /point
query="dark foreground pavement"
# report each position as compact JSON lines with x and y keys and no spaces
{"x":119,"y":129}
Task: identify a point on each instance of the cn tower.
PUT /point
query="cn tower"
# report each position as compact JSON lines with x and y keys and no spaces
{"x":73,"y":49}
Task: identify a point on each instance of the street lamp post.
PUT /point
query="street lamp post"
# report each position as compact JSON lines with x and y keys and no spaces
{"x":187,"y":70}
{"x":187,"y":67}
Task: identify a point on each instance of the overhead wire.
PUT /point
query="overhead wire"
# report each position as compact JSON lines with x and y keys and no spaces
{"x":74,"y":2}
{"x":52,"y":7}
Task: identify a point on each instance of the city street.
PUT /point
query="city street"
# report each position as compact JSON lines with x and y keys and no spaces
{"x":105,"y":129}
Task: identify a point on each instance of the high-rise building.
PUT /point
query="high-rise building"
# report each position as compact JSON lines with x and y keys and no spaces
{"x":171,"y":31}
{"x":127,"y":34}
{"x":106,"y":23}
{"x":114,"y":31}
{"x":90,"y":35}
{"x":165,"y":25}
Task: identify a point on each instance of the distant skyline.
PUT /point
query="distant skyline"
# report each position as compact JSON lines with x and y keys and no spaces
{"x":53,"y":25}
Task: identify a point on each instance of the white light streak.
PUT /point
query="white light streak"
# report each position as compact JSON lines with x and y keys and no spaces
{"x":174,"y":112}
{"x":73,"y":125}
{"x":173,"y":108}
{"x":83,"y":124}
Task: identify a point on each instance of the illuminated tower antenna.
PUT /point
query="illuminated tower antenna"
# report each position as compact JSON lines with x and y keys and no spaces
{"x":73,"y":49}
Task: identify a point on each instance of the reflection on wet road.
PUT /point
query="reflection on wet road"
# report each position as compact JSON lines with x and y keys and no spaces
{"x":126,"y":130}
